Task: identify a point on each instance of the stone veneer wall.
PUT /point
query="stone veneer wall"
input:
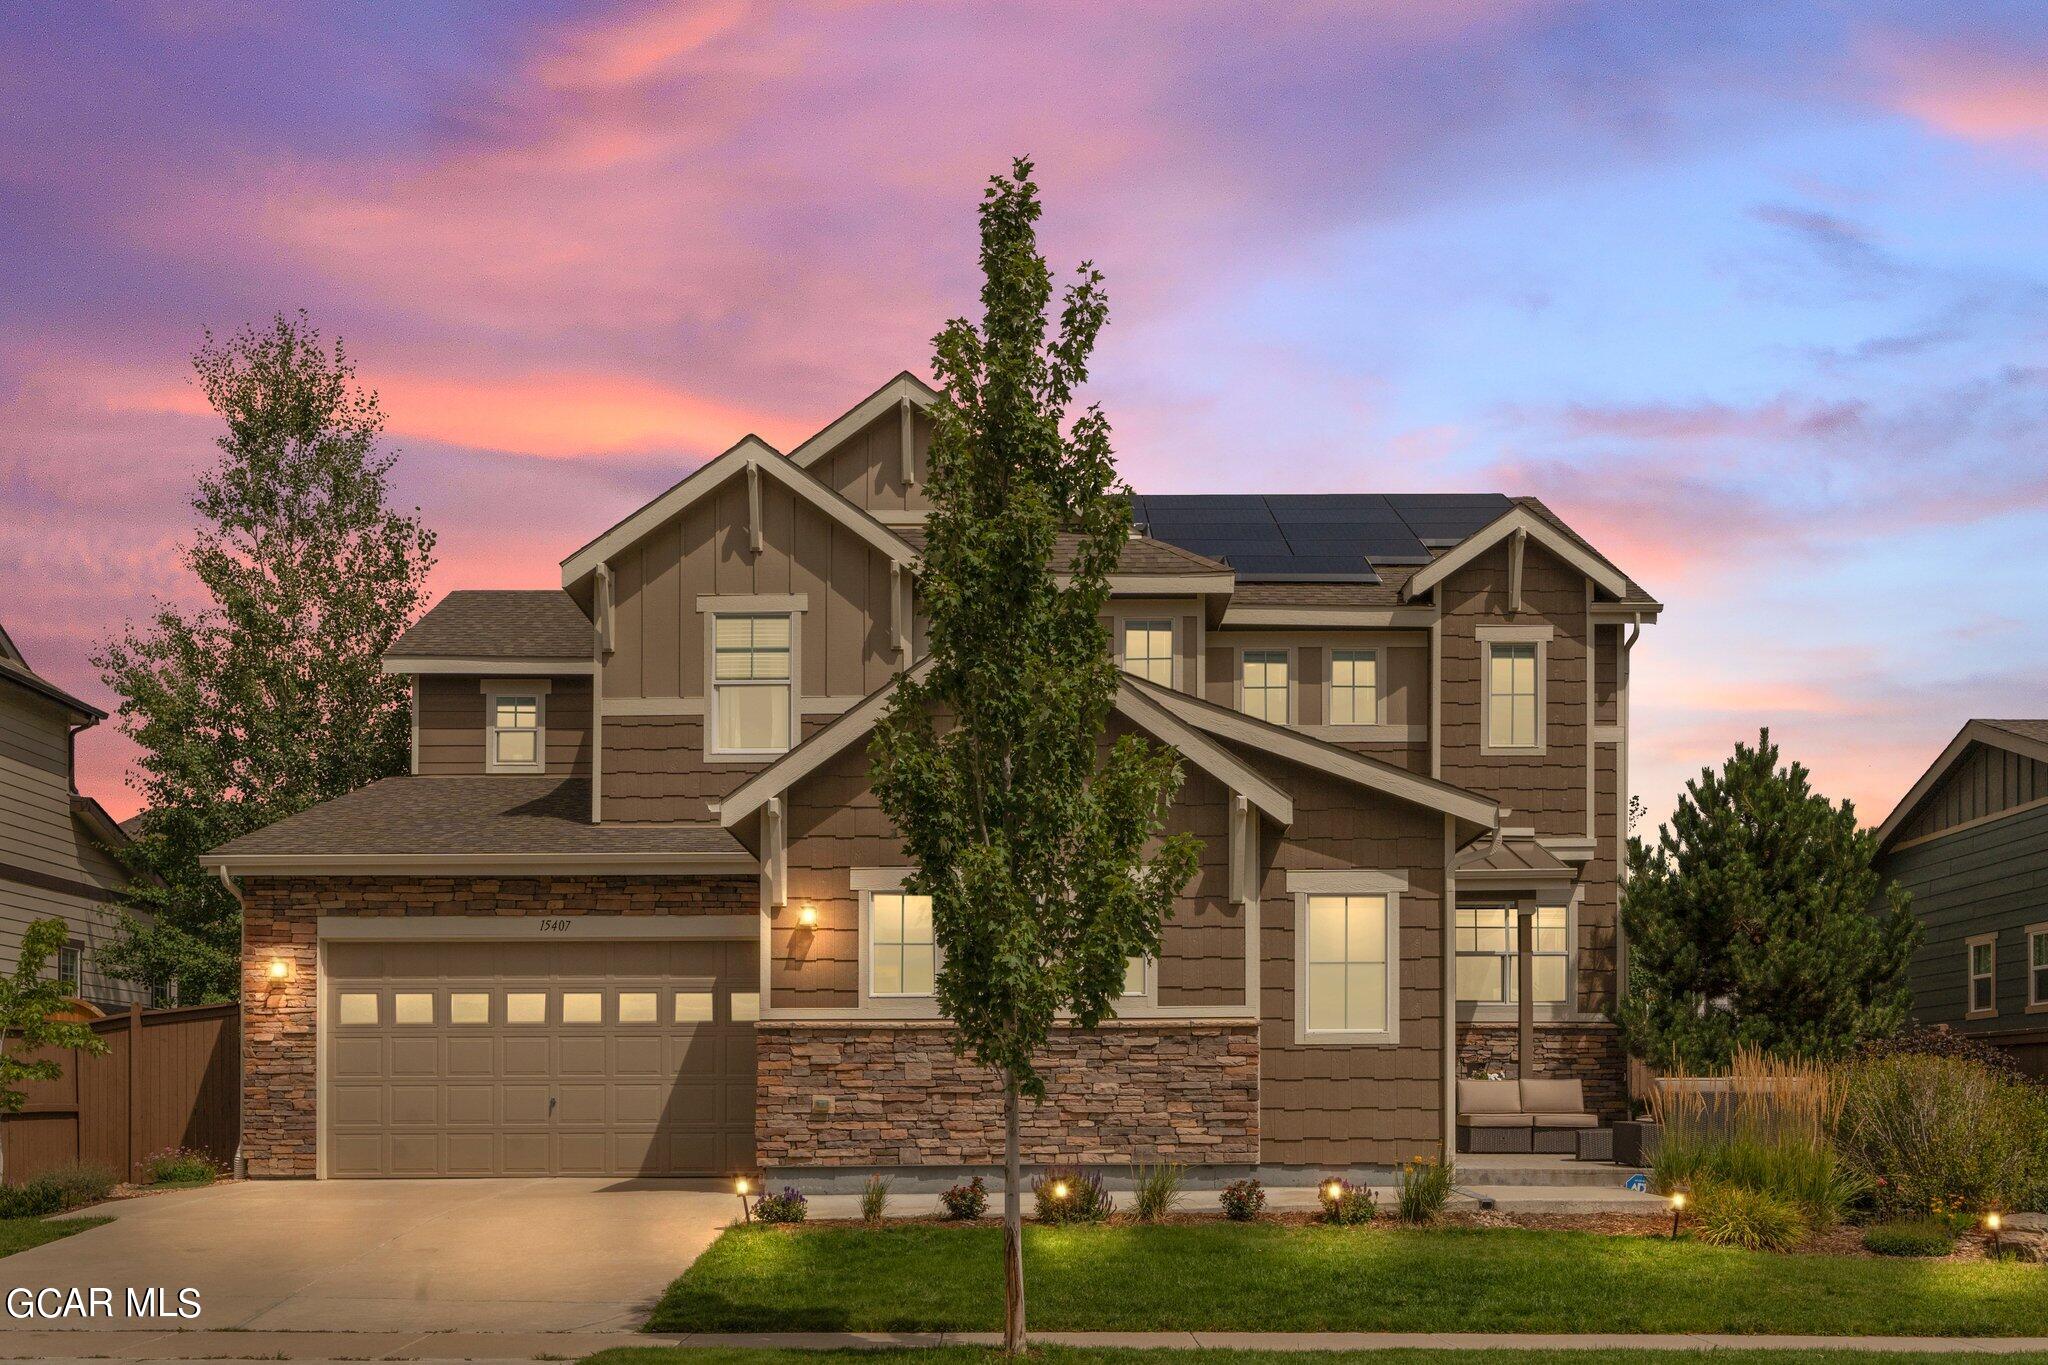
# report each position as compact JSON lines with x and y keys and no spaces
{"x":1588,"y":1052}
{"x":1128,"y":1091}
{"x":280,"y":918}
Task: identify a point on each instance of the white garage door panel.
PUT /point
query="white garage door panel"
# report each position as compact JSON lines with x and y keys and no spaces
{"x":584,"y":1058}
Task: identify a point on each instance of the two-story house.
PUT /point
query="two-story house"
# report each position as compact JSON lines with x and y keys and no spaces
{"x":636,"y":910}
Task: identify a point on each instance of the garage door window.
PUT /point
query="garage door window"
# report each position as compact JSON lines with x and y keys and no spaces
{"x":358,"y":1007}
{"x":412,"y":1007}
{"x":469,"y":1007}
{"x":636,"y":1007}
{"x":746,"y":1006}
{"x":582,"y":1007}
{"x":693,"y":1007}
{"x":526,"y":1007}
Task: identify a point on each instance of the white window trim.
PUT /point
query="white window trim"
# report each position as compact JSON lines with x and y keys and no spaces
{"x":725,"y":607}
{"x":1971,"y":976}
{"x":1379,"y":689}
{"x":1492,"y":1012}
{"x":77,"y":979}
{"x":1149,"y":996}
{"x":1293,"y":679}
{"x":866,"y":882}
{"x":494,"y":688}
{"x":1124,"y":621}
{"x":1347,"y":882}
{"x":1539,"y":636}
{"x":2036,"y":1003}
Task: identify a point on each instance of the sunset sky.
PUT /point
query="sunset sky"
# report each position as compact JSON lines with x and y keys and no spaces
{"x":1753,"y":294}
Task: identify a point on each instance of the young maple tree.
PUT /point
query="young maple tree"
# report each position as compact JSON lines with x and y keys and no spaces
{"x":270,"y":697}
{"x":1757,"y":920}
{"x":28,"y":1002}
{"x":1029,"y":836}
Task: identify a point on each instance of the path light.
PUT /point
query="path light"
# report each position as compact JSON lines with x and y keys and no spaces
{"x":1333,"y":1191}
{"x":1059,"y":1189}
{"x":1677,"y":1207}
{"x":807,"y":917}
{"x":1992,"y":1223}
{"x":742,"y":1187}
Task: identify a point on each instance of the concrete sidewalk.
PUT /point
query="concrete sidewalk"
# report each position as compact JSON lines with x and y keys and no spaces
{"x":139,"y":1347}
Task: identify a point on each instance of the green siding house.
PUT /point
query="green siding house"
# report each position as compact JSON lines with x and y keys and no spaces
{"x":1970,"y":841}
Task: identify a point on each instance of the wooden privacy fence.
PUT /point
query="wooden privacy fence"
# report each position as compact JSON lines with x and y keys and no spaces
{"x":169,"y":1078}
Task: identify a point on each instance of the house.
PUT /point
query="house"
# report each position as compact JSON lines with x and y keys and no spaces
{"x":59,"y":851}
{"x":1970,"y":842}
{"x":636,"y":908}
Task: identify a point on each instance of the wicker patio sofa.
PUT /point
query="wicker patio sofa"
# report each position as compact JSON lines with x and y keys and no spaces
{"x":1532,"y":1115}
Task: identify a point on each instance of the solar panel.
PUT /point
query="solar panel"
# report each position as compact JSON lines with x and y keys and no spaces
{"x":1332,"y":536}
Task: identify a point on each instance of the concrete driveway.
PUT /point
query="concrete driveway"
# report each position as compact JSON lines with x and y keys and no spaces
{"x":556,"y":1255}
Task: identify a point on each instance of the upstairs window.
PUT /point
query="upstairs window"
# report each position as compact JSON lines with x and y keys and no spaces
{"x":1512,"y":703}
{"x":1983,"y":963}
{"x":750,"y":690}
{"x":2037,"y":966}
{"x":515,"y":734}
{"x":1489,"y":971}
{"x":1264,"y":690}
{"x":1354,"y":687}
{"x":1148,"y":651}
{"x":71,"y":966}
{"x":901,"y":953}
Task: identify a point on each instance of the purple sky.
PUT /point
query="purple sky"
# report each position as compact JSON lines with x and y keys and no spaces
{"x":1753,"y":294}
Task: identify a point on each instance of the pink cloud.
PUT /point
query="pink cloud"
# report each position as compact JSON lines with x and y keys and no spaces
{"x":1980,"y":94}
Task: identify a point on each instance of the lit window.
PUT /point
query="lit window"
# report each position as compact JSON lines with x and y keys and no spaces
{"x":412,"y":1007}
{"x":1137,"y":975}
{"x":469,"y":1007}
{"x":1148,"y":650}
{"x":1265,"y":684}
{"x":526,"y":1007}
{"x":636,"y":1007}
{"x":1983,"y":976}
{"x":693,"y":1007}
{"x":513,"y":733}
{"x":1487,"y":971}
{"x":1511,"y":696}
{"x":1347,"y":978}
{"x":746,"y":1006}
{"x":582,"y":1007}
{"x":2037,"y":966}
{"x":1354,"y":687}
{"x":750,"y":684}
{"x":358,"y":1007}
{"x":900,"y":944}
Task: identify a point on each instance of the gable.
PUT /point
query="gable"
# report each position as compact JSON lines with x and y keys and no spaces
{"x":1985,"y":772}
{"x":1518,"y":528}
{"x":877,"y":455}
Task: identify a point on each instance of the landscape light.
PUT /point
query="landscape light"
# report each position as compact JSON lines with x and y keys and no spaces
{"x":1059,"y":1189}
{"x":1677,"y":1207}
{"x":741,"y":1186}
{"x":1333,"y":1190}
{"x":1993,"y":1223}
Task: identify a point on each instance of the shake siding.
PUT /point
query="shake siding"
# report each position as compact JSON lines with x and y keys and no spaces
{"x":1985,"y":781}
{"x":452,"y":726}
{"x":1990,"y":878}
{"x":867,"y":469}
{"x":1547,"y":791}
{"x":1202,"y":947}
{"x":1599,"y":912}
{"x":1607,"y":675}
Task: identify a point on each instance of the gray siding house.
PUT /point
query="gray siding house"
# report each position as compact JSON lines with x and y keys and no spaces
{"x":1970,"y":841}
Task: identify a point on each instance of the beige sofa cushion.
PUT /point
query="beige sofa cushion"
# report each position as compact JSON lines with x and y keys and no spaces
{"x":1551,"y":1097}
{"x":1489,"y":1097}
{"x":1565,"y":1121}
{"x":1495,"y":1120}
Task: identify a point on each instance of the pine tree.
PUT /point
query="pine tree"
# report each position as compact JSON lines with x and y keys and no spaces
{"x":270,"y":697}
{"x":1757,"y":920}
{"x":1029,"y":840}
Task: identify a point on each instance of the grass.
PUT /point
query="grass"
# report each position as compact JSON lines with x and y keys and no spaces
{"x":1293,"y":1278}
{"x":1058,"y":1355}
{"x":19,"y":1234}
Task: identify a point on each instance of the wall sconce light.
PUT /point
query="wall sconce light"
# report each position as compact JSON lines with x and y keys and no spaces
{"x":278,"y":971}
{"x":807,"y":916}
{"x":1677,"y":1207}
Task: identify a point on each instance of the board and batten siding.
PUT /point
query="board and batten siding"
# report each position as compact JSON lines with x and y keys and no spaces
{"x":51,"y":864}
{"x":1988,"y":878}
{"x":1985,"y":781}
{"x":867,"y":468}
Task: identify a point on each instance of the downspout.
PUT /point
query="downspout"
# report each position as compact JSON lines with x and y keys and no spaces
{"x":227,"y":879}
{"x":1628,"y":643}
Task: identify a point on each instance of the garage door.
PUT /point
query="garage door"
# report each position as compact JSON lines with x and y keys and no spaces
{"x":521,"y":1058}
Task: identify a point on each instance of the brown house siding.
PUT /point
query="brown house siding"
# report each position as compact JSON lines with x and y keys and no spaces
{"x":1126,"y":1091}
{"x":280,"y":919}
{"x":867,"y":470}
{"x":451,"y":721}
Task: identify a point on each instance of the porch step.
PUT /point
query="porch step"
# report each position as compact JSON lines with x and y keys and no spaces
{"x":1543,"y":1171}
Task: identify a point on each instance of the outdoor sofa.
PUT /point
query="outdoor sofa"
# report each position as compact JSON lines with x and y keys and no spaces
{"x":1521,"y":1116}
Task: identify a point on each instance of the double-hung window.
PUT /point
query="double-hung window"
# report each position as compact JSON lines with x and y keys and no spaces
{"x":1347,"y":955}
{"x":750,"y":684}
{"x":515,"y":730}
{"x":71,"y":966}
{"x":2037,"y":966}
{"x":1983,"y":964}
{"x":1264,"y":686}
{"x":1148,"y":650}
{"x":1512,"y":699}
{"x":901,"y":956}
{"x":1489,"y":972}
{"x":1354,"y":687}
{"x":1137,"y":976}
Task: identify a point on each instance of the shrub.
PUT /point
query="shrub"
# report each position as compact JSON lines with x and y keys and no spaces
{"x":1940,"y":1040}
{"x":1728,"y":1215}
{"x":79,"y":1185}
{"x":965,"y":1203}
{"x":1911,"y":1237}
{"x":180,"y":1166}
{"x":1767,"y":1127}
{"x":1158,"y":1190}
{"x":788,"y":1207}
{"x":1070,"y":1197}
{"x":1424,"y":1189}
{"x":31,"y":1199}
{"x":874,"y":1199}
{"x":1937,"y":1134}
{"x":1345,"y":1203}
{"x":1243,"y":1200}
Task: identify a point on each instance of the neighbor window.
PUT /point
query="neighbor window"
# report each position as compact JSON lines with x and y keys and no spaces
{"x":900,"y":949}
{"x":1148,"y":650}
{"x":1354,"y":687}
{"x":1983,"y":975}
{"x":71,"y":965}
{"x":1487,"y":943}
{"x":1265,"y":684}
{"x":2037,"y":965}
{"x":1347,"y":976}
{"x":1511,"y":702}
{"x":515,"y":739}
{"x":1137,"y":975}
{"x":750,"y":684}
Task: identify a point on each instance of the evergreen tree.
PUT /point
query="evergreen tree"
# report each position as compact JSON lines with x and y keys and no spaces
{"x":1029,"y":838}
{"x":270,"y":697}
{"x":1757,"y":920}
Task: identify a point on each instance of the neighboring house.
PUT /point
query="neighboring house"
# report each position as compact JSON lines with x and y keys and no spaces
{"x":637,"y":909}
{"x":58,"y":849}
{"x":1970,"y":842}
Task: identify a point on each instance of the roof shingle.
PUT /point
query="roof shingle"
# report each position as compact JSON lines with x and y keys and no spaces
{"x":470,"y":623}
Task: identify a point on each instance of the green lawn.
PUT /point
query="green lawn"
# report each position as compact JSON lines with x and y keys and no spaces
{"x":1269,"y":1277}
{"x":19,"y":1234}
{"x":1056,"y":1355}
